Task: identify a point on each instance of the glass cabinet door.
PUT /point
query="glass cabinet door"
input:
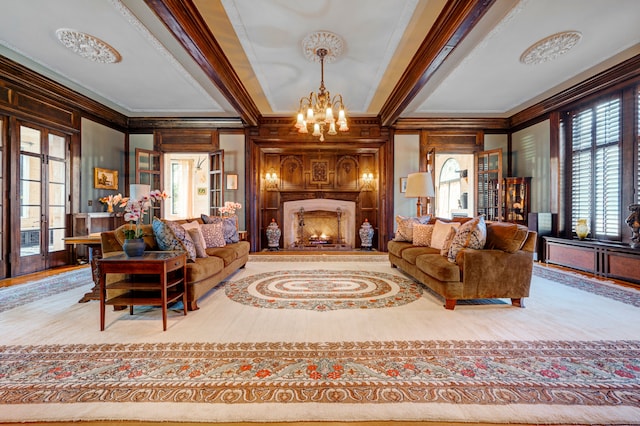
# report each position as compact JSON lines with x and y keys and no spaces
{"x":489,"y":182}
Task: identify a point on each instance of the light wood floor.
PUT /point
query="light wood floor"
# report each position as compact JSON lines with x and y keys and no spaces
{"x":27,"y":278}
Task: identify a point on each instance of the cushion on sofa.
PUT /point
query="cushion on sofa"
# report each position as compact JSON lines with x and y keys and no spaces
{"x":471,"y":234}
{"x":505,"y":236}
{"x":229,"y":226}
{"x":444,"y":251}
{"x":410,"y":254}
{"x":196,"y":236}
{"x":227,"y":254}
{"x":422,"y":235}
{"x":396,"y":247}
{"x":438,"y":267}
{"x":194,"y":225}
{"x":440,"y":232}
{"x":213,"y":234}
{"x":171,"y":236}
{"x":405,"y":226}
{"x":204,"y":268}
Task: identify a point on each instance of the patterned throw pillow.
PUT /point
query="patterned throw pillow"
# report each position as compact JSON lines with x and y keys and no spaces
{"x":440,"y":233}
{"x":198,"y":241}
{"x":405,"y":226}
{"x":422,"y":235}
{"x":230,"y":226}
{"x":447,"y":242}
{"x":173,"y":237}
{"x":213,"y":234}
{"x":195,"y":225}
{"x":471,"y":234}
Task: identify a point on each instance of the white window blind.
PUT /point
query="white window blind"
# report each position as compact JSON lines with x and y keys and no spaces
{"x":596,"y":168}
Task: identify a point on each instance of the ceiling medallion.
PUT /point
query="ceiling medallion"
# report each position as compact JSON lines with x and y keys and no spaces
{"x":551,"y":47}
{"x":88,"y":46}
{"x":330,"y":42}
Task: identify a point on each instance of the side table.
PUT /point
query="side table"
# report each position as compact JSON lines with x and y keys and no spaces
{"x":156,"y":278}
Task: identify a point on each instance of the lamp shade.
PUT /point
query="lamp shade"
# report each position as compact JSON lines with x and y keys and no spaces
{"x":138,"y":190}
{"x":419,"y":185}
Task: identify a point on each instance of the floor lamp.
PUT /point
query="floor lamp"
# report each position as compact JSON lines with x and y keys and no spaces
{"x":419,"y":185}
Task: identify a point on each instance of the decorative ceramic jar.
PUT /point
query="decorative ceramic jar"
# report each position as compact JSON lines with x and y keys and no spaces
{"x":133,"y":247}
{"x":273,"y":236}
{"x":582,"y":228}
{"x":366,"y":235}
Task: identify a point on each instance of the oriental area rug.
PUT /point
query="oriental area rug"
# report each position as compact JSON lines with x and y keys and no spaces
{"x":324,"y":338}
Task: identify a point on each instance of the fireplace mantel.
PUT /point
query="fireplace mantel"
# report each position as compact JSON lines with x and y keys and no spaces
{"x":290,"y":217}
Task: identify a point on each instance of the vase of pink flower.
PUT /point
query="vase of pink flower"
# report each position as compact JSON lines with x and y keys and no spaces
{"x":113,"y":200}
{"x":134,"y":211}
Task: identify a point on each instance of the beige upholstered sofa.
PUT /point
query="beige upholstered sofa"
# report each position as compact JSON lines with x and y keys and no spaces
{"x":502,"y":269}
{"x":202,"y":274}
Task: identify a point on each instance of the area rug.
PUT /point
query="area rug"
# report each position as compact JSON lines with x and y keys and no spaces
{"x":572,"y":356}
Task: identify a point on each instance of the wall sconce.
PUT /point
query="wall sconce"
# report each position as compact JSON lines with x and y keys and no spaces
{"x":271,"y":179}
{"x":367,"y":179}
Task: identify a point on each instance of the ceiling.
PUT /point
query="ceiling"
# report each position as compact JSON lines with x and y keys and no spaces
{"x":401,"y":58}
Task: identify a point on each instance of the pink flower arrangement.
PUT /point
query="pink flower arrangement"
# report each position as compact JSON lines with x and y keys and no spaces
{"x":134,"y":211}
{"x":230,"y":208}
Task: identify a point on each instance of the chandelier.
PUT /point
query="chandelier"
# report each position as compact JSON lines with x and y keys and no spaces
{"x":317,"y":110}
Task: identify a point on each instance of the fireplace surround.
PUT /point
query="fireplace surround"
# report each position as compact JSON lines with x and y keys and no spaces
{"x":321,"y":215}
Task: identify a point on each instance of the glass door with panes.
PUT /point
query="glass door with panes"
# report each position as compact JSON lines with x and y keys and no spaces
{"x":149,"y":172}
{"x":489,"y":182}
{"x":216,"y":175}
{"x":43,"y":200}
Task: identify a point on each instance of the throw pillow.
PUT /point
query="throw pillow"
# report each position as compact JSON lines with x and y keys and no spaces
{"x":471,"y":234}
{"x":405,"y":227}
{"x":198,"y":242}
{"x":195,"y":225}
{"x":447,"y":242}
{"x":440,"y":232}
{"x":509,"y":237}
{"x":172,"y":237}
{"x":213,"y":234}
{"x":230,"y":226}
{"x":422,"y":235}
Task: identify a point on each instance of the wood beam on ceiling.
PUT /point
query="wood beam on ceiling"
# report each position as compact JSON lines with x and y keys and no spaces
{"x":455,"y":21}
{"x":184,"y":21}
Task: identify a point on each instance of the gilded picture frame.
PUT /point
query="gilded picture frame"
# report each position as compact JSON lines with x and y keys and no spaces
{"x":105,"y":178}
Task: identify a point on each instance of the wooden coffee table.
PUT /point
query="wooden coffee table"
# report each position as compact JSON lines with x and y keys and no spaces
{"x":156,"y":278}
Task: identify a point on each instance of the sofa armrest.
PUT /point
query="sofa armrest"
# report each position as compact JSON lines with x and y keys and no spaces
{"x":495,"y":273}
{"x":109,"y":242}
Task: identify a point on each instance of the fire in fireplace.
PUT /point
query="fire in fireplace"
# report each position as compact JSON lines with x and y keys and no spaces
{"x":318,"y":224}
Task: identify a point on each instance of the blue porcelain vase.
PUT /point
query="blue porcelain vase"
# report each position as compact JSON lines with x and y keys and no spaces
{"x":134,"y":247}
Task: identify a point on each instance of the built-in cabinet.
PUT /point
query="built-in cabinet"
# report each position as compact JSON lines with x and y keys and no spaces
{"x":609,"y":260}
{"x":517,"y":199}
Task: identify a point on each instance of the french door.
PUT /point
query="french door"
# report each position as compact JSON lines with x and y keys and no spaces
{"x":489,"y":184}
{"x":42,"y":193}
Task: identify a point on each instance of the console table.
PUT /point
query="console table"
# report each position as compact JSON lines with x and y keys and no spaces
{"x":609,"y":260}
{"x":156,"y":278}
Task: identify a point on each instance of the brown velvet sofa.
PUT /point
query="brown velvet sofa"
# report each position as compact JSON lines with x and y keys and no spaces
{"x":500,"y":270}
{"x":202,"y":275}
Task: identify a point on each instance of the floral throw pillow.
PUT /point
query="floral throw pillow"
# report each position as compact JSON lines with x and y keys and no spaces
{"x":229,"y":227}
{"x":405,"y":227}
{"x":447,"y":242}
{"x":213,"y":234}
{"x":471,"y":234}
{"x":440,"y":233}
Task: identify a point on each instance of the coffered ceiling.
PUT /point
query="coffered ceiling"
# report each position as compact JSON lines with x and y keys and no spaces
{"x":244,"y":58}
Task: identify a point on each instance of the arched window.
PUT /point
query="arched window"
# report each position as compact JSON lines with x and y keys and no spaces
{"x":449,"y":188}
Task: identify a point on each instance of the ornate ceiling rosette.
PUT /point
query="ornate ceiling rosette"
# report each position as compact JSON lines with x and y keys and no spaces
{"x":549,"y":48}
{"x":88,"y":46}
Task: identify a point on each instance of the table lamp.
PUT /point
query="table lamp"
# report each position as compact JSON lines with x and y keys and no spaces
{"x":419,"y":185}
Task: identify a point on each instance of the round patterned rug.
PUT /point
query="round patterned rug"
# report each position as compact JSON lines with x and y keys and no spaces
{"x":322,"y":290}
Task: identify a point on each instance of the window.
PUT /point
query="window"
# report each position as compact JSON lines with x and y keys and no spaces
{"x":596,"y":163}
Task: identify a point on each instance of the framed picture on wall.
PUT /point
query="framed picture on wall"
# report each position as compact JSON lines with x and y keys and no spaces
{"x":403,"y":184}
{"x":232,"y":181}
{"x":105,"y":178}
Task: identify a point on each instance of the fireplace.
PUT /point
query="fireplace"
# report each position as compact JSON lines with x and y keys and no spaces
{"x":319,"y":223}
